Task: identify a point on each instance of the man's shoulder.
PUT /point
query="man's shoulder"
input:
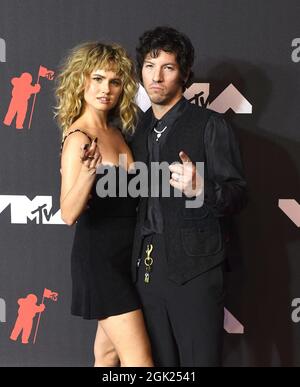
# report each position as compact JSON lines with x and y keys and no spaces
{"x":197,"y":112}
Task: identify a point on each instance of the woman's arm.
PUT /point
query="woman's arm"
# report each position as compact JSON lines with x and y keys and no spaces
{"x":77,"y":176}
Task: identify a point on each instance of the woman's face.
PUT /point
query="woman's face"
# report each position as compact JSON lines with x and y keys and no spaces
{"x":102,"y":90}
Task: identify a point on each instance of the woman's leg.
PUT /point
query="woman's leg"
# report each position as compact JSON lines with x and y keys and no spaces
{"x":128,"y":335}
{"x":104,"y":350}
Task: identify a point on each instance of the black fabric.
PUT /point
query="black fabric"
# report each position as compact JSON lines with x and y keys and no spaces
{"x":154,"y":220}
{"x":225,"y":185}
{"x":100,"y":261}
{"x":195,"y":237}
{"x":184,"y":322}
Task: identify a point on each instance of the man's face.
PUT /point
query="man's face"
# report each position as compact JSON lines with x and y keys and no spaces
{"x":162,"y":79}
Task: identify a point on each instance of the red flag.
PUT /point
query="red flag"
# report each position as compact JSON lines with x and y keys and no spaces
{"x":49,"y":294}
{"x":46,"y":73}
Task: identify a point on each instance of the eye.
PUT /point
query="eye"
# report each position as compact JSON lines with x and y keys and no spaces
{"x":116,"y":82}
{"x":169,"y":67}
{"x":148,"y":65}
{"x":97,"y":79}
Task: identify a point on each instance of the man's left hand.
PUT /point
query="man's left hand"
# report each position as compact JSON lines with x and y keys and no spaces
{"x":185,"y":177}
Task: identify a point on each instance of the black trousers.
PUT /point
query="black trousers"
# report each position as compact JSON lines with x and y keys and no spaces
{"x":184,"y":322}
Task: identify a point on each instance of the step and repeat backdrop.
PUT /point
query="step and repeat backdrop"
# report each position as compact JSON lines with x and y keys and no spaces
{"x":247,"y":67}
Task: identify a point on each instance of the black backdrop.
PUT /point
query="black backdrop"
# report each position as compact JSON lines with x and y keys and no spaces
{"x":246,"y":43}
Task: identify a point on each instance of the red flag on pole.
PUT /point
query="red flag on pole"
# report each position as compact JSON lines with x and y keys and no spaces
{"x":46,"y":73}
{"x":49,"y":294}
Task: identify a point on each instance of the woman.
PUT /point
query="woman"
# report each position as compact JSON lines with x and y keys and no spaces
{"x":96,"y":84}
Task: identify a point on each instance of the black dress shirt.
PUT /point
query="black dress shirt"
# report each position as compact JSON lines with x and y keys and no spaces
{"x":222,"y":159}
{"x":154,"y":220}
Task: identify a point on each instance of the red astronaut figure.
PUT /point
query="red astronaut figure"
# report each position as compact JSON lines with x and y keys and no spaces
{"x":26,"y":313}
{"x":21,"y":92}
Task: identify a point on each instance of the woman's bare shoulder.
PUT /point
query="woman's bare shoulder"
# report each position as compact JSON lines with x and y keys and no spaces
{"x":75,"y":134}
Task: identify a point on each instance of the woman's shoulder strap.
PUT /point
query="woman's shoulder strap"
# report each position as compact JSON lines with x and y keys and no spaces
{"x":73,"y":131}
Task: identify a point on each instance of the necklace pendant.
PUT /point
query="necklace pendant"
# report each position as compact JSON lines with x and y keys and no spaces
{"x":159,"y":133}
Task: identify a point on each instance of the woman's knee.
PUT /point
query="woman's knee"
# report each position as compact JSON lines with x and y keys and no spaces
{"x":105,"y":357}
{"x":137,"y":358}
{"x":104,"y":350}
{"x":128,"y":334}
{"x":145,"y":361}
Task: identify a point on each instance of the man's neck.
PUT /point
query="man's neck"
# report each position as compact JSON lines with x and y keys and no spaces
{"x":160,"y":110}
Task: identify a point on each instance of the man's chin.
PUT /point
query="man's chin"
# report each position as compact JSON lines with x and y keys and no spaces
{"x":158,"y":100}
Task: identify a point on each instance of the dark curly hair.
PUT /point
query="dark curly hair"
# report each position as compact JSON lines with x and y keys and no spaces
{"x":170,"y":40}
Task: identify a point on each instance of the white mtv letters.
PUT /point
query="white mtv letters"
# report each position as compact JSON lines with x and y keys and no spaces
{"x":230,"y":98}
{"x":198,"y":93}
{"x":2,"y":50}
{"x":38,"y":209}
{"x":2,"y":311}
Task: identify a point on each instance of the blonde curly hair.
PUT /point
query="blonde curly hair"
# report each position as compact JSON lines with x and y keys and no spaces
{"x":70,"y":82}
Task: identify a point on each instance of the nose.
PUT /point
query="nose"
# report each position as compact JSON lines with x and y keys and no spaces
{"x":105,"y":87}
{"x":157,"y":75}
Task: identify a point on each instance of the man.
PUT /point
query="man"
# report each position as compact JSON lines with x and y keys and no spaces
{"x":179,"y":252}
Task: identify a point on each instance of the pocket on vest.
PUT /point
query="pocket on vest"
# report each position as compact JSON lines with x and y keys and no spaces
{"x":202,"y":238}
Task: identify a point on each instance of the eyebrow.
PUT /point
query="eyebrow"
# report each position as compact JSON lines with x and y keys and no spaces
{"x":104,"y":77}
{"x":165,"y":64}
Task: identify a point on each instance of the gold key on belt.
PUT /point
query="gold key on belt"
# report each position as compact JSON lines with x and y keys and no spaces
{"x":148,"y":263}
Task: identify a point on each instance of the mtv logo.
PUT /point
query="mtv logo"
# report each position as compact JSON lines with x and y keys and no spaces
{"x":231,"y":324}
{"x":291,"y":208}
{"x":198,"y":93}
{"x":2,"y":50}
{"x":39,"y":209}
{"x":142,"y":99}
{"x":230,"y":98}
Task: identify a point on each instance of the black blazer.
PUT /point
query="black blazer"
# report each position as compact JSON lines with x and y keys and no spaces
{"x":194,"y":237}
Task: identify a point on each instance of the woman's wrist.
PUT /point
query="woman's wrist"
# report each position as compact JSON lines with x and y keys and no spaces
{"x":87,"y":172}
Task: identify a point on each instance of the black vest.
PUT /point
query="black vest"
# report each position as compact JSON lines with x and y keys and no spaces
{"x":193,"y":236}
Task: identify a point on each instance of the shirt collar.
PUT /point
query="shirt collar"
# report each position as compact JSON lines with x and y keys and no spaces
{"x":171,"y":115}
